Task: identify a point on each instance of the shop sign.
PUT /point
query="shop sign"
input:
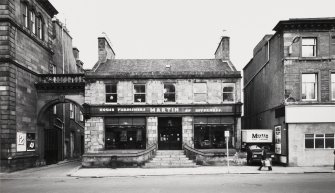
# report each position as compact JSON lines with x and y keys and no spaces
{"x":21,"y":141}
{"x":278,"y":139}
{"x":160,"y":110}
{"x":257,"y":136}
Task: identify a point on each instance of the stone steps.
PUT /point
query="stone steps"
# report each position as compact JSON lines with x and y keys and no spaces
{"x":170,"y":159}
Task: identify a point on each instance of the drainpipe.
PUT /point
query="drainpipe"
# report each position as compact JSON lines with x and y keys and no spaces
{"x":63,"y":62}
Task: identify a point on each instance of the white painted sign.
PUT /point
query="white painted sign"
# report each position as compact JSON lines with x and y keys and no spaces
{"x":21,"y":141}
{"x":257,"y":136}
{"x":310,"y":114}
{"x":226,"y":133}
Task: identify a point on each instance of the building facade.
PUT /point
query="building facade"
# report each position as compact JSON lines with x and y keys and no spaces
{"x":134,"y":104}
{"x":289,"y":88}
{"x":32,"y":44}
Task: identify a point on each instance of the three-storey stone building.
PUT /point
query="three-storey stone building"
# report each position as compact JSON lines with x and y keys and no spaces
{"x":289,"y":87}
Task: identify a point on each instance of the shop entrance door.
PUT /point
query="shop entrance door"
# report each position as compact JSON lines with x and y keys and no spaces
{"x":169,"y":133}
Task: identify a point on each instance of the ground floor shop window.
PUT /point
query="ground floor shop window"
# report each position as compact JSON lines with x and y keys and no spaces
{"x":212,"y":136}
{"x":125,"y":133}
{"x":317,"y":141}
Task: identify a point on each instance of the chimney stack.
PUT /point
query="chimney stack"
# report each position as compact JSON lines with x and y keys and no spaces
{"x":222,"y":52}
{"x":105,"y":50}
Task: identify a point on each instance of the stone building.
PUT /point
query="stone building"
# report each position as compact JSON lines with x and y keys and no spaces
{"x":31,"y":45}
{"x":289,"y":87}
{"x":134,"y":105}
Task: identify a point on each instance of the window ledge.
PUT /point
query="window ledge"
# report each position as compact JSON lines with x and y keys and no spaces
{"x":310,"y":58}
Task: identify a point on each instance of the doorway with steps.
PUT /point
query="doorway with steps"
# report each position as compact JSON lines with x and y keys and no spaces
{"x":170,"y":133}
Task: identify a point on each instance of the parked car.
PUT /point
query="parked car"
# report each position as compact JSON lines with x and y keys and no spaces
{"x":254,"y":154}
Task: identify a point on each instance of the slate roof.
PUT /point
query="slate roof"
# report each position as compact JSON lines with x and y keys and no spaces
{"x":163,"y":68}
{"x":161,"y":65}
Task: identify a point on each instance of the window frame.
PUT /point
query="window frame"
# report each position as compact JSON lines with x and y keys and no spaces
{"x":323,"y":137}
{"x":316,"y":88}
{"x":33,"y":22}
{"x":314,"y":47}
{"x":195,"y":93}
{"x":142,"y":93}
{"x":111,"y":93}
{"x":233,"y":92}
{"x":40,"y":27}
{"x":81,"y":116}
{"x":165,"y":92}
{"x":332,"y":86}
{"x":25,"y":15}
{"x":72,"y":111}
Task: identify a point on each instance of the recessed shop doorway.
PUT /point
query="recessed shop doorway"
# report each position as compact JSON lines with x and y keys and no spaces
{"x":169,"y":133}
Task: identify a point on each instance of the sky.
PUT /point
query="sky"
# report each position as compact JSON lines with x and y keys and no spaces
{"x":179,"y":29}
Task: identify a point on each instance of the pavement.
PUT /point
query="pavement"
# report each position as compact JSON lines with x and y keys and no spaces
{"x":73,"y":169}
{"x":201,"y":170}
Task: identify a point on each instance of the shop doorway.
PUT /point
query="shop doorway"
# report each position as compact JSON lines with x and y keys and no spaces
{"x":169,"y":133}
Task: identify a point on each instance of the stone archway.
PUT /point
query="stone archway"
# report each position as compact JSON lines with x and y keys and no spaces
{"x":45,"y":102}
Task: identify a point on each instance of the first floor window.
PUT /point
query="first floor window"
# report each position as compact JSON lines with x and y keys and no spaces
{"x":319,"y":141}
{"x":309,"y":86}
{"x":40,"y":25}
{"x":228,"y":92}
{"x":32,"y":22}
{"x":139,"y":93}
{"x":25,"y":14}
{"x":111,"y":93}
{"x":200,"y":92}
{"x":169,"y":93}
{"x":333,"y":86}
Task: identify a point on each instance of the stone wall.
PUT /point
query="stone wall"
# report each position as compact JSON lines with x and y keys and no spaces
{"x":94,"y":135}
{"x":95,"y":91}
{"x":188,"y":132}
{"x":152,"y":129}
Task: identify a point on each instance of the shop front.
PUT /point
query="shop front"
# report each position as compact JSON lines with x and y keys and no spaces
{"x":138,"y":127}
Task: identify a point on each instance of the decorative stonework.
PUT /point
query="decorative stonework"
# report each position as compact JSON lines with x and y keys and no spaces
{"x":94,"y":135}
{"x":152,"y":127}
{"x":188,"y":134}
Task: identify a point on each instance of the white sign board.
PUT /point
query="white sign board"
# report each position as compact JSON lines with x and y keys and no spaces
{"x":226,"y":133}
{"x":257,"y":136}
{"x":21,"y":141}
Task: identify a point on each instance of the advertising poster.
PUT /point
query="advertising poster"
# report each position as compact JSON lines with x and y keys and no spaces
{"x":278,"y":139}
{"x":21,"y":141}
{"x":31,"y":141}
